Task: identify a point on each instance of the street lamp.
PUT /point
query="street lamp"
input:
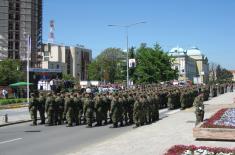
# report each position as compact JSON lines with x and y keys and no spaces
{"x":127,"y":44}
{"x":28,"y":51}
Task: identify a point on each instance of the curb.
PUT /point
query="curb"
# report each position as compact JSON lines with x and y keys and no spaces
{"x":12,"y":106}
{"x":12,"y":123}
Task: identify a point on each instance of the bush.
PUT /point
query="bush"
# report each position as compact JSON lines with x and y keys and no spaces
{"x":12,"y":101}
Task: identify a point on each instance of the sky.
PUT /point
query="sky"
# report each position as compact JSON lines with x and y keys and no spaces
{"x":206,"y":24}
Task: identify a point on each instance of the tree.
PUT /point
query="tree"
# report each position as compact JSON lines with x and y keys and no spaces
{"x":153,"y":65}
{"x":108,"y":66}
{"x":10,"y":71}
{"x":212,"y":72}
{"x":94,"y":71}
{"x":223,"y":75}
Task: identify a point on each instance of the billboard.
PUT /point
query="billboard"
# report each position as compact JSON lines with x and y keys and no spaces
{"x":132,"y":63}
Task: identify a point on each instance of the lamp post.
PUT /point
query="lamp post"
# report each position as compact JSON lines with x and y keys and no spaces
{"x":28,"y":52}
{"x":126,"y":27}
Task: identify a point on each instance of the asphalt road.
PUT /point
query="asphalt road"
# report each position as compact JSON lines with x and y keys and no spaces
{"x":23,"y":139}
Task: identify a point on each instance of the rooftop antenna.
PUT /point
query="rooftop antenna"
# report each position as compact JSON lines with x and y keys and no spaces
{"x":51,"y":38}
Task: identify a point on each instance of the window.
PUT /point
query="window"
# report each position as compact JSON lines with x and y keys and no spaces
{"x":46,"y":53}
{"x":10,"y":35}
{"x":17,"y":7}
{"x":17,"y":17}
{"x":17,"y":36}
{"x":57,"y":66}
{"x":17,"y":55}
{"x":46,"y":58}
{"x":10,"y":45}
{"x":17,"y":45}
{"x":17,"y":26}
{"x":11,"y":16}
{"x":11,"y":6}
{"x":10,"y":26}
{"x":10,"y":54}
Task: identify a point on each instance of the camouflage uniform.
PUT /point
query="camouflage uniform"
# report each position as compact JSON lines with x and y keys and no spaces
{"x":50,"y":109}
{"x":59,"y":102}
{"x":199,"y":108}
{"x":89,"y":110}
{"x":41,"y":107}
{"x":69,"y":110}
{"x":116,"y":111}
{"x":33,"y":105}
{"x":99,"y":108}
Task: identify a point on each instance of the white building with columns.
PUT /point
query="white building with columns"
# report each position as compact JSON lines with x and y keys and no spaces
{"x":191,"y":64}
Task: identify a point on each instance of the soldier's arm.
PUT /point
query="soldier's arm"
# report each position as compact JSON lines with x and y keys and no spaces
{"x":65,"y":107}
{"x":30,"y":105}
{"x":47,"y":105}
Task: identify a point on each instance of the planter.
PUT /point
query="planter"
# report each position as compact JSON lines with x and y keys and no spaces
{"x":219,"y":127}
{"x":213,"y":133}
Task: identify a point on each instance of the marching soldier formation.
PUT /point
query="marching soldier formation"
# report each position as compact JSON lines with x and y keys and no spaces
{"x":139,"y":106}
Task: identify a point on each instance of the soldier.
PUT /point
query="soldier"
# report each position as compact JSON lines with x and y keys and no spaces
{"x":106,"y":102}
{"x":33,"y":105}
{"x":89,"y":109}
{"x":130,"y":107}
{"x":83,"y":98}
{"x":137,"y":112}
{"x":199,"y":108}
{"x":170,"y":103}
{"x":148,"y":104}
{"x":69,"y":110}
{"x":41,"y":107}
{"x":125,"y":108}
{"x":78,"y":109}
{"x":56,"y":110}
{"x":50,"y":109}
{"x":183,"y":100}
{"x":60,"y":109}
{"x":116,"y":110}
{"x":99,"y":108}
{"x":156,"y":102}
{"x":231,"y":87}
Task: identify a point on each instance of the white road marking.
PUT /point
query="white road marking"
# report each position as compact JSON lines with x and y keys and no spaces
{"x":12,"y":140}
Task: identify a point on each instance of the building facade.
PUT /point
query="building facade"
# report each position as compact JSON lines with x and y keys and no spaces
{"x":184,"y":64}
{"x":202,"y":64}
{"x":233,"y":72}
{"x":72,"y":60}
{"x":18,"y":19}
{"x":191,"y":64}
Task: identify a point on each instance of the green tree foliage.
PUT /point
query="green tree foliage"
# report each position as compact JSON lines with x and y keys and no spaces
{"x":223,"y":75}
{"x":108,"y":66}
{"x":153,"y":65}
{"x":68,"y":77}
{"x":10,"y":71}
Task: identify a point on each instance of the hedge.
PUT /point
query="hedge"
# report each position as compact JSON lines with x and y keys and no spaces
{"x":12,"y":101}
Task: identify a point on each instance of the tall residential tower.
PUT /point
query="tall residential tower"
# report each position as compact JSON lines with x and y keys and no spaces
{"x":18,"y":19}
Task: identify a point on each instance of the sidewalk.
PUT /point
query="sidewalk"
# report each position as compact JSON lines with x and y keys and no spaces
{"x":157,"y":138}
{"x":17,"y":115}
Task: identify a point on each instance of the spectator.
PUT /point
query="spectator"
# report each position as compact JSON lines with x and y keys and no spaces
{"x":5,"y":93}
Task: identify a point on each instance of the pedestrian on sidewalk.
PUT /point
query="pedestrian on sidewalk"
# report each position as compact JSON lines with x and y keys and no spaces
{"x":5,"y":93}
{"x":199,"y":108}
